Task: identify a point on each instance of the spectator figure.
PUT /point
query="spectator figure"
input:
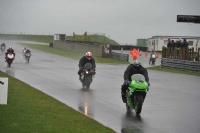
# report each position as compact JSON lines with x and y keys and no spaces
{"x":185,"y":46}
{"x":172,"y":48}
{"x":178,"y":46}
{"x":169,"y":46}
{"x":184,"y":43}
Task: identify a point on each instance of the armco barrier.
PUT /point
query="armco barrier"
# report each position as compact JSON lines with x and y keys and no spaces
{"x":119,"y":56}
{"x":128,"y":47}
{"x":180,"y":64}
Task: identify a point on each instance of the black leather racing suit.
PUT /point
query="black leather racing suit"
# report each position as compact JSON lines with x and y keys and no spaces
{"x":83,"y":61}
{"x":131,"y":69}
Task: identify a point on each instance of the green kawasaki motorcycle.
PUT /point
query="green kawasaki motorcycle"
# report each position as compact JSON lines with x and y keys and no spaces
{"x":136,"y":93}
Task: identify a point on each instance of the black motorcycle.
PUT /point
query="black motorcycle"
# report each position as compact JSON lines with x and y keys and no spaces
{"x":3,"y":48}
{"x":27,"y":57}
{"x":87,"y":75}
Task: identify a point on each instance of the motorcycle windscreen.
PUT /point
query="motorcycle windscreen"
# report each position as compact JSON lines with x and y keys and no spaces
{"x":138,"y":77}
{"x":10,"y":55}
{"x":27,"y":54}
{"x":88,"y":66}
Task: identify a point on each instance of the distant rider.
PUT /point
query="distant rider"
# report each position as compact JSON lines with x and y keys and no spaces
{"x":134,"y":68}
{"x":152,"y":53}
{"x":3,"y":44}
{"x":24,"y":50}
{"x":28,"y":51}
{"x":85,"y":59}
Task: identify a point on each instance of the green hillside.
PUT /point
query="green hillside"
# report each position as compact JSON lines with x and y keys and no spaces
{"x":92,"y":38}
{"x":38,"y":38}
{"x":99,"y":39}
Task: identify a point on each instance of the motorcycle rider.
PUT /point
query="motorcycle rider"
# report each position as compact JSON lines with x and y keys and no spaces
{"x":28,"y":51}
{"x":152,"y":53}
{"x":10,"y":50}
{"x":3,"y":44}
{"x":24,"y":50}
{"x":134,"y":68}
{"x":85,"y":59}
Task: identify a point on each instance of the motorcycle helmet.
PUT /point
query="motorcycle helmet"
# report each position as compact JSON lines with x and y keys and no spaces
{"x":10,"y":47}
{"x":88,"y":55}
{"x":136,"y":65}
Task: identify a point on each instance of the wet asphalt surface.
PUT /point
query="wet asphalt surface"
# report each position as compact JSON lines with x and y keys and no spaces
{"x":171,"y":106}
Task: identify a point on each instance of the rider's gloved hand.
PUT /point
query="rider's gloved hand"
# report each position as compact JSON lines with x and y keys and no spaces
{"x":94,"y":71}
{"x":148,"y":86}
{"x":148,"y":83}
{"x":126,"y":82}
{"x":80,"y":68}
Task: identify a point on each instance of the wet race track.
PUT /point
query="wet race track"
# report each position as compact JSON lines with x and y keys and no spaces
{"x":171,"y":106}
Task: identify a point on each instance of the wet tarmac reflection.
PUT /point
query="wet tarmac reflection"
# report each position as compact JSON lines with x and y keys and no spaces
{"x":132,"y":123}
{"x":85,"y":104}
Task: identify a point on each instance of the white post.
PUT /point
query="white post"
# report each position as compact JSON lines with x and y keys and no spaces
{"x":3,"y":90}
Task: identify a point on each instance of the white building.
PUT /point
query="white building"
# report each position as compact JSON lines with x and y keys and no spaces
{"x":157,"y":42}
{"x":59,"y":37}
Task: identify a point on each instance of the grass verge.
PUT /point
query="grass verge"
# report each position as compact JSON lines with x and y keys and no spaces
{"x":158,"y":68}
{"x":30,"y":110}
{"x":72,"y":55}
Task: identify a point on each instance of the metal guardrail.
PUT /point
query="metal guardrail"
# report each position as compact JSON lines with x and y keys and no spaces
{"x":180,"y":64}
{"x":119,"y":56}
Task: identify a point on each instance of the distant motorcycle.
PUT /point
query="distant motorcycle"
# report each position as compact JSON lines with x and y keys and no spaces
{"x":87,"y":75}
{"x":9,"y":59}
{"x":27,"y":57}
{"x":3,"y":48}
{"x":152,"y":59}
{"x":136,"y":93}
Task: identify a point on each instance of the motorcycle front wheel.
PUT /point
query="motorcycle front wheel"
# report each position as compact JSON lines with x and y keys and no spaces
{"x":88,"y":80}
{"x":138,"y":104}
{"x":27,"y":59}
{"x":9,"y":63}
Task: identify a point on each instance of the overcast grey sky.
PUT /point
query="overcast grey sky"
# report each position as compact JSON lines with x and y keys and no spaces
{"x":122,"y":20}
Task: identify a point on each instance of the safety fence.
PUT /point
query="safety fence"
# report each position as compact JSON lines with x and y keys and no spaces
{"x":128,"y":47}
{"x":181,"y":53}
{"x":180,"y":64}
